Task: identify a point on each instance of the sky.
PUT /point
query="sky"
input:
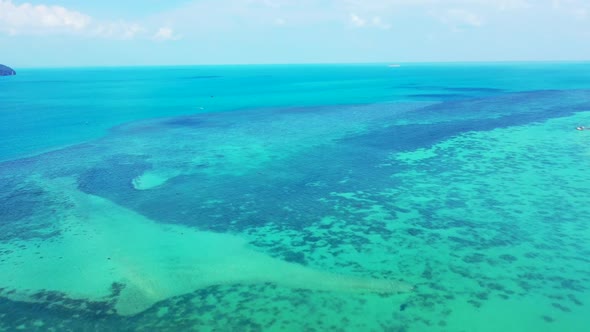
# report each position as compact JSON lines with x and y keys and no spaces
{"x":58,"y":33}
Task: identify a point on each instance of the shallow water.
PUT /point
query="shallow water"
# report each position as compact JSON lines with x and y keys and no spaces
{"x":439,"y":198}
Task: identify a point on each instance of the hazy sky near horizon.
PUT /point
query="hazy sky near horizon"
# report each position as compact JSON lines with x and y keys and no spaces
{"x":38,"y":33}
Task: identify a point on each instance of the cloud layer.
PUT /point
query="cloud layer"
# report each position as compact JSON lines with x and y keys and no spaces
{"x":40,"y":19}
{"x":165,"y":33}
{"x":28,"y":18}
{"x":17,"y":18}
{"x":284,"y":31}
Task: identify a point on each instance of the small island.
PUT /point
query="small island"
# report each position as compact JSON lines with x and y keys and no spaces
{"x":6,"y":71}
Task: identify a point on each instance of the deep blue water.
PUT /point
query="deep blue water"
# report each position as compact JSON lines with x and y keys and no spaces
{"x":47,"y":108}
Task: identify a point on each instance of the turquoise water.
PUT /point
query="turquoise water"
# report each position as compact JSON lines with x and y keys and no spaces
{"x":429,"y":197}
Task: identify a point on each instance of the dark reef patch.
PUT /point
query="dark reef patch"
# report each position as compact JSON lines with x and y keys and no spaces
{"x":184,"y":121}
{"x":508,"y":258}
{"x":561,"y":307}
{"x":113,"y":178}
{"x":525,"y":108}
{"x":292,"y":202}
{"x":439,"y":96}
{"x":295,"y":257}
{"x":475,"y":90}
{"x":19,"y":201}
{"x":26,"y":211}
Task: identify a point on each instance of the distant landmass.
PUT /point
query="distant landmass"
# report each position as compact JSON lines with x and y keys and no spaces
{"x":6,"y":71}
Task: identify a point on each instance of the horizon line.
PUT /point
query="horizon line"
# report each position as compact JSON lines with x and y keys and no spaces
{"x":304,"y":64}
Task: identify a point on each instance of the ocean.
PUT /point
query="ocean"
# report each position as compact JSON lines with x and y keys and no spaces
{"x":359,"y":197}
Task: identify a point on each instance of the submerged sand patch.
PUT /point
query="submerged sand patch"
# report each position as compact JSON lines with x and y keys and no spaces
{"x":104,"y":244}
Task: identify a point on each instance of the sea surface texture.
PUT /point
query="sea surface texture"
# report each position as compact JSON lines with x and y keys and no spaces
{"x":426,"y":197}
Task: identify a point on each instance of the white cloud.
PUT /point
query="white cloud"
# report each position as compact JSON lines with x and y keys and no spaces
{"x":357,"y":21}
{"x":165,"y":33}
{"x":116,"y":30}
{"x":378,"y":22}
{"x":513,"y":4}
{"x":461,"y":17}
{"x":268,"y":3}
{"x":28,"y":18}
{"x":579,"y":9}
{"x":581,"y":13}
{"x":375,"y":22}
{"x":39,"y":19}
